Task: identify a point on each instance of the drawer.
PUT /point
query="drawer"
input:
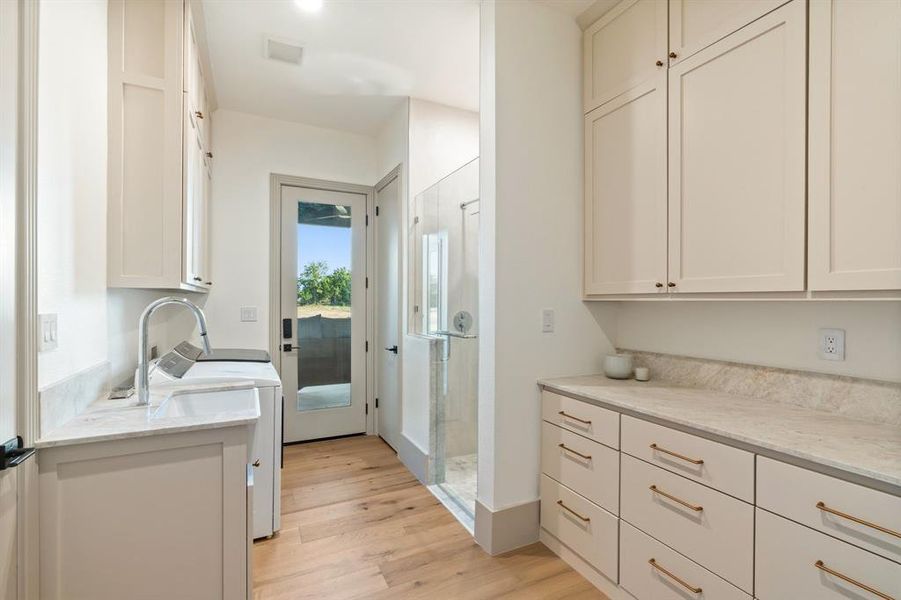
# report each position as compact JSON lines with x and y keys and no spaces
{"x":795,"y":493}
{"x":582,"y":465}
{"x":671,"y":577}
{"x":587,"y":529}
{"x":594,"y":422}
{"x":787,"y":559}
{"x":722,"y":467}
{"x":718,"y":533}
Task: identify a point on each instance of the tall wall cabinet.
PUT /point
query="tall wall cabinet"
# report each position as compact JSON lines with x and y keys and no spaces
{"x":160,"y":162}
{"x":702,"y":174}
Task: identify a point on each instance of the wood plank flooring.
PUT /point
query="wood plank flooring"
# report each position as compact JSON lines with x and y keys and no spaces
{"x":357,"y":524}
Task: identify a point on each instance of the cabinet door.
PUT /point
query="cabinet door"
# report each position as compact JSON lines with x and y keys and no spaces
{"x":622,"y":49}
{"x":625,"y":192}
{"x":194,"y":78}
{"x":193,"y":207}
{"x":737,"y":160}
{"x":204,"y":237}
{"x":855,"y":145}
{"x":145,"y":143}
{"x":695,"y":24}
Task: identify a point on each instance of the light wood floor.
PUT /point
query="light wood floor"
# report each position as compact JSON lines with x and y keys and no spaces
{"x":357,"y":524}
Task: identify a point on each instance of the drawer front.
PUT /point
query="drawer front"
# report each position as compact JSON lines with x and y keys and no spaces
{"x":595,"y":539}
{"x":582,"y":465}
{"x":787,"y":555}
{"x":586,"y":419}
{"x":794,"y":493}
{"x":719,"y":536}
{"x":722,"y":467}
{"x":671,"y":577}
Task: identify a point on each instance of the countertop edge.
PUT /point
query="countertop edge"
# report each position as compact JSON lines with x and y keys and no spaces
{"x":791,"y":455}
{"x":141,"y":433}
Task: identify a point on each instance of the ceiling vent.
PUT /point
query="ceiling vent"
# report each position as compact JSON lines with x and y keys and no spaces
{"x":283,"y":50}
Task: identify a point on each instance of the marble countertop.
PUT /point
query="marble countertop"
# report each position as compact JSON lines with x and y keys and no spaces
{"x":106,"y":419}
{"x":865,"y":449}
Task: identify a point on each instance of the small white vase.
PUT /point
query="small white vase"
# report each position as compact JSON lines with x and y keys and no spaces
{"x":618,"y":366}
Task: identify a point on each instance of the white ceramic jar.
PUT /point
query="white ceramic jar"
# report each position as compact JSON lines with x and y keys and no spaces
{"x":618,"y":366}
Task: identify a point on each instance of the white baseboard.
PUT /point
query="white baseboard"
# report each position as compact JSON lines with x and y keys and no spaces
{"x":414,"y":459}
{"x":506,"y":529}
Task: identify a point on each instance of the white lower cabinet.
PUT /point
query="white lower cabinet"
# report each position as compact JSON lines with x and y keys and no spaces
{"x":587,"y":529}
{"x":679,"y":536}
{"x":650,"y":570}
{"x":707,"y":526}
{"x":795,"y":562}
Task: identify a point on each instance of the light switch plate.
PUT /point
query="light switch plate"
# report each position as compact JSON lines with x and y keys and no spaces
{"x":547,"y":320}
{"x":48,"y":336}
{"x":248,"y":314}
{"x":832,"y":344}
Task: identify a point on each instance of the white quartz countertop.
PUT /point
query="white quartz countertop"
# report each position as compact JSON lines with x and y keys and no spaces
{"x":865,"y":449}
{"x":106,"y":420}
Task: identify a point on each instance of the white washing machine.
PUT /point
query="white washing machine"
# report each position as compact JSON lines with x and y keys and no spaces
{"x":188,"y":365}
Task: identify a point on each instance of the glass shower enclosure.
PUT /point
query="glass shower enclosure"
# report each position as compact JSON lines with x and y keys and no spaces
{"x":445,"y":270}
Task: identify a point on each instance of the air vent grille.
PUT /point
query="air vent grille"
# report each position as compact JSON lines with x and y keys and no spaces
{"x":284,"y":51}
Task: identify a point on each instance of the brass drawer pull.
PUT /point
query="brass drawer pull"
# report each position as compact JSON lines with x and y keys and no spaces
{"x":577,"y":453}
{"x":822,"y":567}
{"x":694,"y":461}
{"x":822,"y":506}
{"x":694,"y":507}
{"x":565,"y":507}
{"x":562,"y":413}
{"x":677,"y":579}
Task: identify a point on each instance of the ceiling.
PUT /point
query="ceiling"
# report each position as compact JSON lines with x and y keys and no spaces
{"x":361,"y":58}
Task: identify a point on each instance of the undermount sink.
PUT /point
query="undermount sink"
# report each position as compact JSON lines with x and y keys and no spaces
{"x":203,"y":403}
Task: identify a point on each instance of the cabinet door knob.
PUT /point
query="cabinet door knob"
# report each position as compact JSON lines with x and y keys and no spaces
{"x":208,"y":282}
{"x":256,"y":463}
{"x":659,"y":63}
{"x":658,"y":284}
{"x":209,"y":155}
{"x":673,"y":55}
{"x":670,"y":284}
{"x":198,"y":279}
{"x":198,"y":114}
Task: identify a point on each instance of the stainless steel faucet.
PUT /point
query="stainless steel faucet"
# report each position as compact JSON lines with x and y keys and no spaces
{"x":142,"y":379}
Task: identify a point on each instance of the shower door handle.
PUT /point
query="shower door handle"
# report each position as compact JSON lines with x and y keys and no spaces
{"x":392,"y":349}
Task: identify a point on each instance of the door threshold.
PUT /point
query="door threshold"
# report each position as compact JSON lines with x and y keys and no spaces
{"x":324,"y":439}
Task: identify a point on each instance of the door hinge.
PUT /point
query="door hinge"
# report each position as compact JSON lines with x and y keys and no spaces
{"x":367,"y":408}
{"x":367,"y":283}
{"x":376,"y":402}
{"x":367,"y":220}
{"x":376,"y":211}
{"x":367,"y":346}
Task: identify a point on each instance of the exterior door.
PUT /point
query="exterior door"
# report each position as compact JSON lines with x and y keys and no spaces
{"x":387,"y":308}
{"x":323,"y":304}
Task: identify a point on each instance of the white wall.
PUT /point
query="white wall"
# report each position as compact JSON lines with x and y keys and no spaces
{"x":95,"y":324}
{"x":247,"y":150}
{"x":775,"y":334}
{"x":536,"y":118}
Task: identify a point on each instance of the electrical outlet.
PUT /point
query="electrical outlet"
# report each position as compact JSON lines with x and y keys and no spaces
{"x":832,"y":344}
{"x":547,"y":320}
{"x":48,"y":336}
{"x":248,"y":314}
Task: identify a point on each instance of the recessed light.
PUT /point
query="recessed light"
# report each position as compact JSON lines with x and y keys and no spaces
{"x":309,"y":5}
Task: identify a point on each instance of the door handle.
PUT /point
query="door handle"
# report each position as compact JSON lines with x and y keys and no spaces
{"x":287,"y":348}
{"x":286,"y":328}
{"x":392,"y":349}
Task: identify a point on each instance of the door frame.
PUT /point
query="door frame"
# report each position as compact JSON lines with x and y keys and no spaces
{"x":276,"y":181}
{"x":395,"y":174}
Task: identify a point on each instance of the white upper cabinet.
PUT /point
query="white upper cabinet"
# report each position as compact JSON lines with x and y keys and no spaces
{"x":737,"y":160}
{"x":624,"y":48}
{"x":157,"y":147}
{"x":695,"y":24}
{"x":145,"y":143}
{"x":855,"y":145}
{"x":625,"y":192}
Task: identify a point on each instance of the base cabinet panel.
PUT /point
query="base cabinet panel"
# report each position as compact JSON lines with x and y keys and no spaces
{"x":670,"y":576}
{"x":587,"y":529}
{"x":792,"y":563}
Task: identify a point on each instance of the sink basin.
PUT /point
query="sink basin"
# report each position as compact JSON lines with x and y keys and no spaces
{"x":207,"y":403}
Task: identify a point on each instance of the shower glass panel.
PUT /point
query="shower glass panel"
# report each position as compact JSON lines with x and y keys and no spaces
{"x":445,"y":242}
